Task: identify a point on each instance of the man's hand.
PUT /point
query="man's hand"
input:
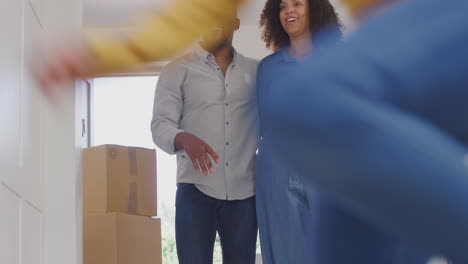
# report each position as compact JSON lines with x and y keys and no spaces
{"x":198,"y":151}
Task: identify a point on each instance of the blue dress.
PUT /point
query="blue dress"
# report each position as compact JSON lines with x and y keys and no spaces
{"x":300,"y":224}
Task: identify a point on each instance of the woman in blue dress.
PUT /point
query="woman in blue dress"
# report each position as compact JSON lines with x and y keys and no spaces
{"x":298,"y":224}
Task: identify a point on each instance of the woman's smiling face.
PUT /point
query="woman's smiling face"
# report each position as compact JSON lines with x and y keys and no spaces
{"x":294,"y":17}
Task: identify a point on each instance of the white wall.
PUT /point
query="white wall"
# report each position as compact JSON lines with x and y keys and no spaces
{"x":247,"y":40}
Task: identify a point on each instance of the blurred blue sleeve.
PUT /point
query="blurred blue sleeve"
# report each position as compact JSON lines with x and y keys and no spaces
{"x":380,"y":120}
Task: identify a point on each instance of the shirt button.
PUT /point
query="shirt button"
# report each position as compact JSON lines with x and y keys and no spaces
{"x":226,"y":104}
{"x":217,"y":69}
{"x":227,"y":123}
{"x":226,"y":85}
{"x":227,"y":143}
{"x":227,"y":163}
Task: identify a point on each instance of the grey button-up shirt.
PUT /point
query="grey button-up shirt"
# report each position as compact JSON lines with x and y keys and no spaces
{"x":193,"y":95}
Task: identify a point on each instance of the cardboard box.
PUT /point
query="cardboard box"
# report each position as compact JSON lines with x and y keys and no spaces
{"x":119,"y":179}
{"x":116,"y":238}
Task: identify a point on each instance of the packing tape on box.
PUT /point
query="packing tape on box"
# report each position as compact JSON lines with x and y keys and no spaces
{"x":132,"y":204}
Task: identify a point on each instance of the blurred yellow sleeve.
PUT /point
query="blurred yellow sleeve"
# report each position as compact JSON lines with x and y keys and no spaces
{"x":356,"y":7}
{"x":160,"y":34}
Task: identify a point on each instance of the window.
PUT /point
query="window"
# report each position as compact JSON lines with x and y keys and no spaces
{"x":121,"y":112}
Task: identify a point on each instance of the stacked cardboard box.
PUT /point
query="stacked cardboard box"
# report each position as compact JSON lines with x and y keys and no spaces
{"x":119,"y":200}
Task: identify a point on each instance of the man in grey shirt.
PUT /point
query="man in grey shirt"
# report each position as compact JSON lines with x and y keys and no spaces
{"x":205,"y":112}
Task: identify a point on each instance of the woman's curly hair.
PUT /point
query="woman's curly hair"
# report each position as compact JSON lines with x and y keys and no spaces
{"x":321,"y":15}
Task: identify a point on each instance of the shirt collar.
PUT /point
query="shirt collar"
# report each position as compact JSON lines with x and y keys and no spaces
{"x":284,"y":55}
{"x":207,"y":56}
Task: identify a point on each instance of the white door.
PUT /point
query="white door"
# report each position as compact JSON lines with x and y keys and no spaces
{"x":29,"y":201}
{"x":21,"y":180}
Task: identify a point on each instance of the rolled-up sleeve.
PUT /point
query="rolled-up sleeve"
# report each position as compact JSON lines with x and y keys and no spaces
{"x":167,"y":108}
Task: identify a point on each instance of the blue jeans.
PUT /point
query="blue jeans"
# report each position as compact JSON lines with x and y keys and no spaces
{"x":199,"y":216}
